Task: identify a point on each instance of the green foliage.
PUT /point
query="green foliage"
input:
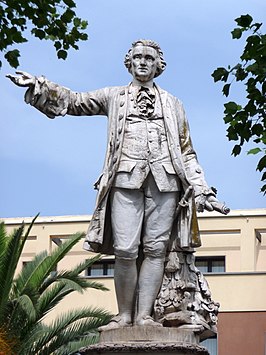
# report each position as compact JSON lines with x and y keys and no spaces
{"x":247,"y":121}
{"x":25,"y":300}
{"x":53,"y":20}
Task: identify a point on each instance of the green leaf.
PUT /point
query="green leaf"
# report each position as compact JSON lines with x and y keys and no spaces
{"x":236,"y":150}
{"x":69,"y":3}
{"x":12,"y":58}
{"x":228,"y":118}
{"x":84,"y":36}
{"x":38,"y":33}
{"x":262,"y":163}
{"x":232,"y":134}
{"x":77,"y":21}
{"x":253,"y":68}
{"x":226,"y":89}
{"x":220,"y":74}
{"x":237,"y":33}
{"x":244,"y":20}
{"x":263,"y":189}
{"x":257,"y":129}
{"x":256,"y":26}
{"x":231,"y":107}
{"x":57,"y":45}
{"x":240,"y":74}
{"x":84,"y":24}
{"x":62,"y":54}
{"x":254,"y":151}
{"x":68,"y":16}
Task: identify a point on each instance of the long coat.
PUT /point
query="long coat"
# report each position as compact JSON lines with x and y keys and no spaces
{"x":54,"y":100}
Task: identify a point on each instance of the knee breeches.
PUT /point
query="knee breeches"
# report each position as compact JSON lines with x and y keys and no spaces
{"x":145,"y":215}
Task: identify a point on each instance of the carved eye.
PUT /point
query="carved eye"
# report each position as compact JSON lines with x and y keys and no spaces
{"x":149,"y":58}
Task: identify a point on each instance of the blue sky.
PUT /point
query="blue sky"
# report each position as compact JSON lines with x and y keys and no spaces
{"x":49,"y":166}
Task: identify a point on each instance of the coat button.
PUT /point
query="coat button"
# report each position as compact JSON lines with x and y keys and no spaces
{"x":119,"y":130}
{"x":122,"y":92}
{"x":122,"y":103}
{"x":120,"y":116}
{"x":114,"y":159}
{"x":110,"y":174}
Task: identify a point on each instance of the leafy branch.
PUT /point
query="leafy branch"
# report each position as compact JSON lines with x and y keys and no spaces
{"x":247,"y":121}
{"x":53,"y":20}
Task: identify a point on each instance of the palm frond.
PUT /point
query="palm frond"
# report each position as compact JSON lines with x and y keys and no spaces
{"x":51,"y":297}
{"x":25,"y":277}
{"x":48,"y":264}
{"x":26,"y":299}
{"x":9,"y":258}
{"x":74,"y":346}
{"x":68,"y":327}
{"x":85,"y":264}
{"x":8,"y":263}
{"x":74,"y":273}
{"x":26,"y":305}
{"x":3,"y":239}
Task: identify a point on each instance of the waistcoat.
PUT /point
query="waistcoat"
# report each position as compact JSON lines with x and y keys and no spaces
{"x":145,"y":147}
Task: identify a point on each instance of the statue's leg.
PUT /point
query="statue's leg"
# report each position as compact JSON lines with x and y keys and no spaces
{"x":157,"y":225}
{"x":150,"y":279}
{"x":125,"y":287}
{"x":127,"y":209}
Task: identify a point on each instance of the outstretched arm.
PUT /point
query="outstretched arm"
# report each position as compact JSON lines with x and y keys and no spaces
{"x":56,"y":100}
{"x":23,"y":79}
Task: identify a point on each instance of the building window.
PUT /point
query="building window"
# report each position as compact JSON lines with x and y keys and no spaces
{"x":24,"y":263}
{"x":210,"y":263}
{"x":211,"y":345}
{"x":53,"y":272}
{"x":101,"y":268}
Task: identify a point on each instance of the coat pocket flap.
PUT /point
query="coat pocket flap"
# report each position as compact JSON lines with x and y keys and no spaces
{"x":126,"y":166}
{"x":169,"y":168}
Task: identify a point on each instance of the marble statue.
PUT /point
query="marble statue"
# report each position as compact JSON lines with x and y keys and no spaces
{"x":148,"y":193}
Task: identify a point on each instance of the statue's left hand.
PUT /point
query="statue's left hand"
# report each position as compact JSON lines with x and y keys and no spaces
{"x":210,"y":203}
{"x":23,"y":79}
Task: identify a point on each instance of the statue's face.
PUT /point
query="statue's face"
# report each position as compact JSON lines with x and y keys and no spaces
{"x":144,"y":63}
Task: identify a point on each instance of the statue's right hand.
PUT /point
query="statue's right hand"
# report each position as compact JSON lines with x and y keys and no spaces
{"x":22,"y":79}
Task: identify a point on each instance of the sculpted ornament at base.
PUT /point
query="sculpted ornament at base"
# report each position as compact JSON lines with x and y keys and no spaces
{"x":149,"y":191}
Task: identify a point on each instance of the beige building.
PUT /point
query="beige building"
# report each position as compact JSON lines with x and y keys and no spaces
{"x":233,"y":256}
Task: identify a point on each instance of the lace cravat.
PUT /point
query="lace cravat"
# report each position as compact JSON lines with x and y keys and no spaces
{"x":145,"y":101}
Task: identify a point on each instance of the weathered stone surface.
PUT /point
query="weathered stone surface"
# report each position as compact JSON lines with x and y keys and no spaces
{"x":145,"y":348}
{"x":149,"y":192}
{"x":147,"y":334}
{"x":148,"y":340}
{"x":185,"y":296}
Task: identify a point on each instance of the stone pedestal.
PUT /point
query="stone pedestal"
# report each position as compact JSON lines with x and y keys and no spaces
{"x":148,"y":340}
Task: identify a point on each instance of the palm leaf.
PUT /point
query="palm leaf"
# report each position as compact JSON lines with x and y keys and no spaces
{"x":74,"y":346}
{"x":26,"y":299}
{"x":9,"y":257}
{"x":74,"y":273}
{"x":48,"y":264}
{"x":61,"y":288}
{"x":8,"y":264}
{"x":22,"y":281}
{"x":68,"y":327}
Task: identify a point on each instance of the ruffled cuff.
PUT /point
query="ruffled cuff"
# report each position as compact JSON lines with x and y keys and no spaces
{"x":48,"y":97}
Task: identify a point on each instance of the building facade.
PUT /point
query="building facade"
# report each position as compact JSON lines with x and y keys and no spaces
{"x":232,"y":257}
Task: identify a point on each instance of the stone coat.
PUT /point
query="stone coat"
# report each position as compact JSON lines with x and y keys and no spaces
{"x":54,"y":100}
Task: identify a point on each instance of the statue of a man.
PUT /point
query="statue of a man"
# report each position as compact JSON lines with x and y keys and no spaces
{"x":150,"y":167}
